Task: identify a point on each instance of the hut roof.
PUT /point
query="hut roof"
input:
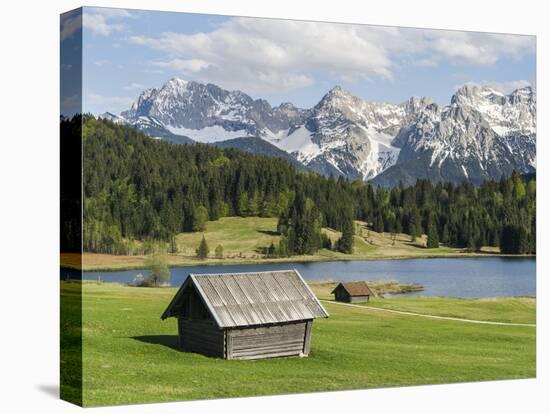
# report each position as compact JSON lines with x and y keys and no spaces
{"x":259,"y":298}
{"x":355,"y":288}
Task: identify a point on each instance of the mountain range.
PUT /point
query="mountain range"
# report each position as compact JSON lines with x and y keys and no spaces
{"x":482,"y":134}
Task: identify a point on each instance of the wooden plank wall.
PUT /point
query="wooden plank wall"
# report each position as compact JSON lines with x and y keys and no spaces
{"x":267,"y":341}
{"x":358,"y":299}
{"x":307,"y":337}
{"x":201,"y":336}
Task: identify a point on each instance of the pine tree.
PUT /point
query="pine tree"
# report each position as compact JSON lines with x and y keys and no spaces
{"x":514,"y":240}
{"x":146,"y":192}
{"x":445,"y":234}
{"x":253,"y":206}
{"x":523,"y":241}
{"x":219,"y":251}
{"x":415,"y":224}
{"x":471,"y":244}
{"x":200,"y":217}
{"x":379,"y":223}
{"x":282,"y":248}
{"x":271,"y":250}
{"x":303,"y":230}
{"x":433,"y":237}
{"x":203,"y":250}
{"x":345,"y":243}
{"x":173,"y":245}
{"x":326,"y":241}
{"x":242,"y":205}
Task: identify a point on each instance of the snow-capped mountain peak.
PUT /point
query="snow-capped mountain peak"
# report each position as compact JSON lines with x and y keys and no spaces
{"x":482,"y":133}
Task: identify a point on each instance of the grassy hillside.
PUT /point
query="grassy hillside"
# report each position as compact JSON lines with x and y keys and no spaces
{"x":240,"y":237}
{"x":243,"y":239}
{"x":130,"y":355}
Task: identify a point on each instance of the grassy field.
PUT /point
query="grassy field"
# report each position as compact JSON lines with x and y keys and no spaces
{"x":130,"y":355}
{"x":243,"y":239}
{"x":514,"y":310}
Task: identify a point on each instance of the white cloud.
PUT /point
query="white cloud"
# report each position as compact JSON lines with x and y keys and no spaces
{"x":70,"y":24}
{"x":185,"y":66}
{"x":104,"y":100}
{"x":134,"y":86}
{"x":268,"y":55}
{"x":113,"y":13}
{"x":425,"y":62}
{"x":262,"y":55}
{"x":98,"y":24}
{"x":507,"y":87}
{"x":477,"y":48}
{"x":104,"y":21}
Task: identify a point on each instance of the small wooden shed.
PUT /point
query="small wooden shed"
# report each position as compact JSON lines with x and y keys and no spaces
{"x":245,"y":315}
{"x":352,"y":292}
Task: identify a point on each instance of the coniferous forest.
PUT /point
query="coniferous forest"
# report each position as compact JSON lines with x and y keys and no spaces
{"x":138,"y":188}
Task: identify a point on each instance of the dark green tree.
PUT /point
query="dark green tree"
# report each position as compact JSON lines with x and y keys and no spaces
{"x":326,"y":242}
{"x":514,"y":240}
{"x":345,"y":243}
{"x":140,"y":193}
{"x":203,"y":250}
{"x":379,"y":223}
{"x":271,"y":250}
{"x":173,"y":245}
{"x":304,"y":226}
{"x":200,"y":217}
{"x":433,"y":237}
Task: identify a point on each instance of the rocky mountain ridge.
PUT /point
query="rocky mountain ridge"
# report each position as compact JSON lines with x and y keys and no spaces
{"x":481,"y":134}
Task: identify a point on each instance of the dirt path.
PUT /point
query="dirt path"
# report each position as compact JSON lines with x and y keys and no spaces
{"x":424,"y":315}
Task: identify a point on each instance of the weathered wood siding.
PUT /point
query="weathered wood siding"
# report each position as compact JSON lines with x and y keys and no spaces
{"x":307,"y":338}
{"x":245,"y":315}
{"x":269,"y":341}
{"x":201,"y":336}
{"x":359,"y":299}
{"x":198,"y":332}
{"x":341,"y":295}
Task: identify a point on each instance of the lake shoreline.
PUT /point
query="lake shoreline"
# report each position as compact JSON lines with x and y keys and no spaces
{"x":316,"y":284}
{"x":465,"y":276}
{"x":192,"y":262}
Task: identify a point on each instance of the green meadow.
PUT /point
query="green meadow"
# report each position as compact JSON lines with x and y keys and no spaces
{"x":244,"y":239}
{"x":131,"y":356}
{"x":509,"y":310}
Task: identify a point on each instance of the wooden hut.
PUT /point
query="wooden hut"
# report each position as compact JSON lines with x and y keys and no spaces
{"x":245,"y":315}
{"x":352,"y":292}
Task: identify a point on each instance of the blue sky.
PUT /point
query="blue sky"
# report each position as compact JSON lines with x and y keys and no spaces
{"x":126,"y":51}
